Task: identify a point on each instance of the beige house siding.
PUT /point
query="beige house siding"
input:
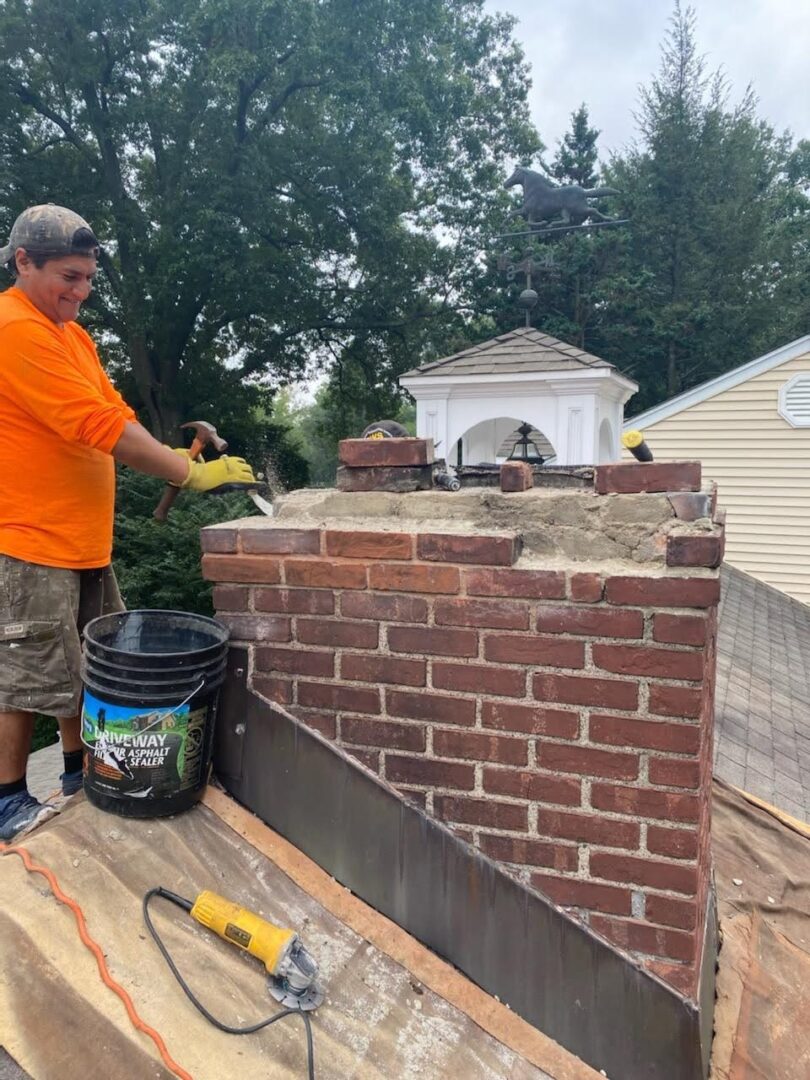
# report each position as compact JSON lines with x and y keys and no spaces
{"x":762,"y":468}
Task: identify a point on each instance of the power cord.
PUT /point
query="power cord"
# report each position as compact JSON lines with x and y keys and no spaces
{"x":187,"y":905}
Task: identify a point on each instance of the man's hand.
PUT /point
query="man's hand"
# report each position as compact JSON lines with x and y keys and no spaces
{"x":208,"y":475}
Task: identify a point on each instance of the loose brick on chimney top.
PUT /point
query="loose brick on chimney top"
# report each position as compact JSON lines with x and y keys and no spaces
{"x":554,"y":710}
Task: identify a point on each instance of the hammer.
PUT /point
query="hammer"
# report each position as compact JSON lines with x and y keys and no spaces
{"x":205,"y":434}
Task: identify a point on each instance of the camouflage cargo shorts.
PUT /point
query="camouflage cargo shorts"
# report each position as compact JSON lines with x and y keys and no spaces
{"x":43,"y":610}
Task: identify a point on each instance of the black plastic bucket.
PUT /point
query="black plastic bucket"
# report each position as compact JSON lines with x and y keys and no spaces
{"x":152,"y":682}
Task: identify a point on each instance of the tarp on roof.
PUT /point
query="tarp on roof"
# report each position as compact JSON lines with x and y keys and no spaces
{"x":762,"y":1018}
{"x":59,"y":1021}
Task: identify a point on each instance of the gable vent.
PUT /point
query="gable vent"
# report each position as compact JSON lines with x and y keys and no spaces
{"x":794,"y":400}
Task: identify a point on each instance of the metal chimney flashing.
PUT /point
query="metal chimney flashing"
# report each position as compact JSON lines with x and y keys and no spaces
{"x":514,"y":943}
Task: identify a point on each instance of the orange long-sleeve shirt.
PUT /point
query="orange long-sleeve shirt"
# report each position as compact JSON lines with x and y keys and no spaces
{"x":60,"y":417}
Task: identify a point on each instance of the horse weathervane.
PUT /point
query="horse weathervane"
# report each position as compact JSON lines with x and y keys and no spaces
{"x":550,"y":210}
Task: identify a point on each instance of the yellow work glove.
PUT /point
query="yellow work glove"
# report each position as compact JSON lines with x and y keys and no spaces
{"x":208,"y":475}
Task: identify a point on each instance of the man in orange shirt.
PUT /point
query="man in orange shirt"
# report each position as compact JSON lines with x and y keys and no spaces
{"x":61,"y":425}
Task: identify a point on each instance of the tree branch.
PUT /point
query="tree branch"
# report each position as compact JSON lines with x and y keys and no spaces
{"x":29,"y":97}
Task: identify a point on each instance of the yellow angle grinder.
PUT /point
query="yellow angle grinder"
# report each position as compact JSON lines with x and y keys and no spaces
{"x":291,"y":968}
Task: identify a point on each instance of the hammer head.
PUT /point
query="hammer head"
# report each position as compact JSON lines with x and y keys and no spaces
{"x":206,"y":435}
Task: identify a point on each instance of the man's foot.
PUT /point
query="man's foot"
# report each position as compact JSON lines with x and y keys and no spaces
{"x":20,"y":813}
{"x":71,"y":782}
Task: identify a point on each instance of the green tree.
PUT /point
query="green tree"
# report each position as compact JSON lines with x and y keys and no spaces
{"x":704,"y":190}
{"x":275,"y":182}
{"x":576,"y":160}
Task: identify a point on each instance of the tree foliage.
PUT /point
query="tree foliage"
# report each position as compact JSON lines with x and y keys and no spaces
{"x":706,"y":190}
{"x":273,"y":180}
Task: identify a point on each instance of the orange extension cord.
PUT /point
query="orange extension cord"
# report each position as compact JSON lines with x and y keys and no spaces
{"x":33,"y":868}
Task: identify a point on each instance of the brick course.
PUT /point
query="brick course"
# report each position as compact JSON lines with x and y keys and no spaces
{"x":559,"y":720}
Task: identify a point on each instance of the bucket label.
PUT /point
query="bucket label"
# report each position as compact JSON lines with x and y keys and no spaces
{"x":143,"y":752}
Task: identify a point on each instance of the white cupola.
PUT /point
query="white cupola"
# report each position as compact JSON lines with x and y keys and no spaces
{"x":472,"y":403}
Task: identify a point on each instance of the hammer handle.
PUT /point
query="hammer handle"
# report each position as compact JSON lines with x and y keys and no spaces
{"x":170,"y":492}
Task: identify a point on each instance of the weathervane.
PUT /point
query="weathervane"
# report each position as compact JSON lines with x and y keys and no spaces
{"x":550,"y":210}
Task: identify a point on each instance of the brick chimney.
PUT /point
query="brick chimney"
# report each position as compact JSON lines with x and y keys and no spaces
{"x":534,"y":668}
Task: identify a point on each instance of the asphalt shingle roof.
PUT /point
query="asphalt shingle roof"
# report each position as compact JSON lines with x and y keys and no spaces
{"x":521,"y":351}
{"x":762,"y":706}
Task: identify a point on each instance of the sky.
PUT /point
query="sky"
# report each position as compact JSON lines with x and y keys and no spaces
{"x":601,"y":51}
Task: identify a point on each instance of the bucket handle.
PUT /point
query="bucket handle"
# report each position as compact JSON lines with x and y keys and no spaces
{"x":159,"y":718}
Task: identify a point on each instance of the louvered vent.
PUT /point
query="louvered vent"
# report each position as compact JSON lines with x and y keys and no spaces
{"x":794,"y":401}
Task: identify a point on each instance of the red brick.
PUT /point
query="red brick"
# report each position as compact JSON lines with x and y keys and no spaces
{"x":674,"y":843}
{"x":429,"y":773}
{"x":675,"y":701}
{"x":494,"y":815}
{"x":531,"y":649}
{"x":682,"y":977}
{"x":245,"y":568}
{"x":515,"y":849}
{"x":256,"y":627}
{"x":523,"y":584}
{"x":637,"y":870}
{"x":679,"y":629}
{"x":369,"y":453}
{"x":536,"y":786}
{"x":296,"y":661}
{"x":480,"y":747}
{"x":437,"y":708}
{"x":386,"y":608}
{"x":369,"y":758}
{"x":230,"y":598}
{"x":479,"y":679}
{"x":640,"y":802}
{"x":295,"y":601}
{"x":219,"y":540}
{"x":396,"y":577}
{"x":579,"y":690}
{"x":419,"y":798}
{"x":366,"y":732}
{"x":636,"y":936}
{"x":432,"y":641}
{"x":324,"y":574}
{"x":592,"y":622}
{"x":641,"y":660}
{"x":278,"y":690}
{"x":485,"y":550}
{"x":674,"y":772}
{"x":339,"y":697}
{"x":561,"y":757}
{"x":694,"y":550}
{"x":384,"y":669}
{"x":572,"y":892}
{"x":589,"y":829}
{"x":398,"y":478}
{"x":516,"y":476}
{"x":586,"y":588}
{"x":649,"y":734}
{"x":663,"y":592}
{"x":271,"y":540}
{"x":530,"y":719}
{"x":494,"y":614}
{"x":631,"y":477}
{"x":325,"y":723}
{"x":369,"y":545}
{"x":670,"y":911}
{"x":358,"y":635}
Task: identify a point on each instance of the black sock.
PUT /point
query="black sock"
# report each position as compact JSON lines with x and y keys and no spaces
{"x":73,"y":761}
{"x":13,"y":788}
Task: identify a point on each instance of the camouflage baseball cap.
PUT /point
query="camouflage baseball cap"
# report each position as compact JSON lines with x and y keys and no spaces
{"x":48,"y":230}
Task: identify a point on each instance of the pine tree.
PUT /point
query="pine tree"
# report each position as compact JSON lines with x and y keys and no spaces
{"x":576,"y":159}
